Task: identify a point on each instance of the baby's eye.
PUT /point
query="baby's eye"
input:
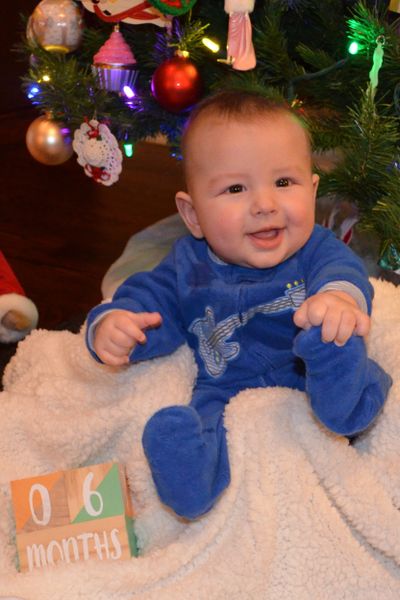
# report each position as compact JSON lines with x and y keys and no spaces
{"x":283,"y":182}
{"x":236,"y":188}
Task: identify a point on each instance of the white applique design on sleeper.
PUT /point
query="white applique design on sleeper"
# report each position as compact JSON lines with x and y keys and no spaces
{"x":214,"y":347}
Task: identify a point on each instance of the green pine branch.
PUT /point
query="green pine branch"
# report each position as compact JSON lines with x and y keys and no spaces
{"x":366,"y":175}
{"x":273,"y":57}
{"x":67,"y":89}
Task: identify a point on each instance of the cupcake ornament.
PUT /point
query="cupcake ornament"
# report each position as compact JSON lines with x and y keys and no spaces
{"x":115,"y":65}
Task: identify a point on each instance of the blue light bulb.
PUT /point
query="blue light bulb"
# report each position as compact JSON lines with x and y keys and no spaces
{"x":33,"y":91}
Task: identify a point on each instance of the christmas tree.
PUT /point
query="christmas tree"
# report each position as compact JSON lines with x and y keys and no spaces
{"x":129,"y":69}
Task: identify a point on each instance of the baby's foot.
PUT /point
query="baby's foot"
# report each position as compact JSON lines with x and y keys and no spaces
{"x":346,"y":388}
{"x":184,"y":461}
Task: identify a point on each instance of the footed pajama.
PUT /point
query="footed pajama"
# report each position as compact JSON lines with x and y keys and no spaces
{"x":239,"y":323}
{"x":186,"y":445}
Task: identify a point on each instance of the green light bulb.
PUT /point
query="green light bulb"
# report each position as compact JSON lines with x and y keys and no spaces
{"x":128,"y":149}
{"x":353,"y":48}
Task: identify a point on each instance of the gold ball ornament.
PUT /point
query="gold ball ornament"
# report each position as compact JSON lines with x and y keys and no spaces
{"x":394,"y":6}
{"x":48,"y":141}
{"x":56,"y":25}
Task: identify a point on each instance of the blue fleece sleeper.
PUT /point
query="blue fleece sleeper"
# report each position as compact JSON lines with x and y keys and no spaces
{"x":239,"y":323}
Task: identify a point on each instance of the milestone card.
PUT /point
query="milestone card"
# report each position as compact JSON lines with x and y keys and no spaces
{"x":76,"y":515}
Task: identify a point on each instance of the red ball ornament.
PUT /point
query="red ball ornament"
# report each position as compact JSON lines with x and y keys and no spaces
{"x":176,"y":84}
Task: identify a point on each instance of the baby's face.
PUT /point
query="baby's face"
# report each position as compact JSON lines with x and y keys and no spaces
{"x":252,"y":188}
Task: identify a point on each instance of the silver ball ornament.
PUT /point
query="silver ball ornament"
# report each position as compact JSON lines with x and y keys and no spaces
{"x":56,"y":25}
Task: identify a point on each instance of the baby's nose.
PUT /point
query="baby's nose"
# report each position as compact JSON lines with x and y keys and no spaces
{"x":263,"y":202}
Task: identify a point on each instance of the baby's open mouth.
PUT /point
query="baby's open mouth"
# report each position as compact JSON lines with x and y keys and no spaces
{"x":267,"y":239}
{"x":266,"y":234}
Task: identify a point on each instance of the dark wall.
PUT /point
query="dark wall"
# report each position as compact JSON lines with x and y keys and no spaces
{"x":11,"y":97}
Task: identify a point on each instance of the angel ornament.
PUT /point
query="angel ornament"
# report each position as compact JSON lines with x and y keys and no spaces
{"x":241,"y":54}
{"x":98,"y":152}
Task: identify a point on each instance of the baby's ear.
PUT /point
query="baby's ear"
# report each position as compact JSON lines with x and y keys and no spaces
{"x":315,"y":182}
{"x":188,"y":213}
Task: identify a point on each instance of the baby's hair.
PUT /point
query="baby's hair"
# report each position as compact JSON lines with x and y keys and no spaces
{"x":241,"y":105}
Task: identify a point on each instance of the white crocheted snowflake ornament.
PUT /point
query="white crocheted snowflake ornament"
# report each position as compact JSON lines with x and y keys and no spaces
{"x":98,"y":152}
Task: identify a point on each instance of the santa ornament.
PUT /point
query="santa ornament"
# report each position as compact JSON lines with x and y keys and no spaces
{"x":98,"y":152}
{"x":173,"y":7}
{"x":18,"y":314}
{"x":241,"y":54}
{"x":135,"y":12}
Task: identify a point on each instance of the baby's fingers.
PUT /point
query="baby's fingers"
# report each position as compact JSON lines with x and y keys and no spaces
{"x":300,"y":317}
{"x":345,"y":329}
{"x":112,"y":359}
{"x":145,"y":321}
{"x":363,"y":324}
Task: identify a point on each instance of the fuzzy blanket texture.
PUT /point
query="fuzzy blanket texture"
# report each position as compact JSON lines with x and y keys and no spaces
{"x":307,"y":515}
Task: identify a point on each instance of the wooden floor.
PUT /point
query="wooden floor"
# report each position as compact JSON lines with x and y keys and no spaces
{"x":60,"y":230}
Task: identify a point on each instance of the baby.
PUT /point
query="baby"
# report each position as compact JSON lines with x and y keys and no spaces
{"x":262,"y":295}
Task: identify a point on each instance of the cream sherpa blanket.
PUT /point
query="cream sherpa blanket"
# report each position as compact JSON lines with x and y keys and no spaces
{"x":307,"y":516}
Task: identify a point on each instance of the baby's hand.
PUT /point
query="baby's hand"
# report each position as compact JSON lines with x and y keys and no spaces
{"x":337,"y":312}
{"x":118,"y":333}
